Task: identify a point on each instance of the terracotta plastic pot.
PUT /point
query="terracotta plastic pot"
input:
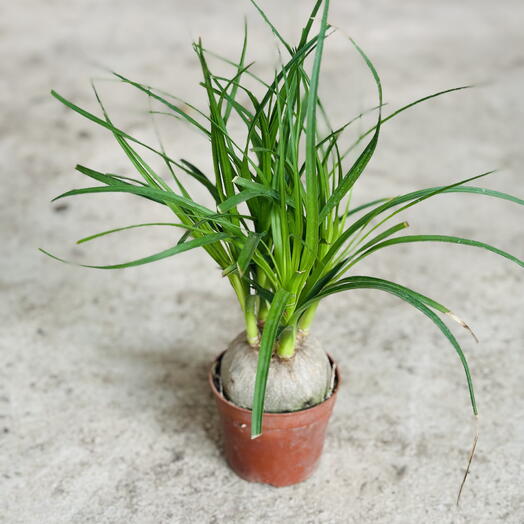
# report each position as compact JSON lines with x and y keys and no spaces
{"x":289,"y":448}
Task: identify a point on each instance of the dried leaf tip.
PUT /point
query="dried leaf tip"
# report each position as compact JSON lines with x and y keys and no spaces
{"x":470,"y":458}
{"x":462,"y":323}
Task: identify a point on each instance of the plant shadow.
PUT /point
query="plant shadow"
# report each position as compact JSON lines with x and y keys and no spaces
{"x":177,"y":394}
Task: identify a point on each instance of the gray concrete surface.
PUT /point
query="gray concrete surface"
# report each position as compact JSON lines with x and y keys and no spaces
{"x":105,"y":412}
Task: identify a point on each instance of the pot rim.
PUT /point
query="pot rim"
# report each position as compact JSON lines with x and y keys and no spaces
{"x":273,"y":416}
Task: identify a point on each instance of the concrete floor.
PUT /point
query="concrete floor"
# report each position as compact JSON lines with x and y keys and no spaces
{"x":104,"y":406}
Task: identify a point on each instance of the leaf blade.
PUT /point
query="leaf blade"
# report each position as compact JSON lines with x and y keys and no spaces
{"x":247,"y":252}
{"x":269,"y":336}
{"x":442,"y":238}
{"x":179,"y":248}
{"x":414,"y":299}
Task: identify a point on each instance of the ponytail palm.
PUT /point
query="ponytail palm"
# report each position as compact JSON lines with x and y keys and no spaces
{"x":281,"y":228}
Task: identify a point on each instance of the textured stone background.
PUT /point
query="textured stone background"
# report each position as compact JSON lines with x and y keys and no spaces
{"x":106,"y":416}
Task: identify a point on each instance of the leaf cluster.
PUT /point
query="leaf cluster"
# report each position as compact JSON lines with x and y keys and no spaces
{"x":282,"y":228}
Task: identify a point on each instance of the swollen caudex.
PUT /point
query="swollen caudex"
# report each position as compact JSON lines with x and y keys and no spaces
{"x":293,"y":384}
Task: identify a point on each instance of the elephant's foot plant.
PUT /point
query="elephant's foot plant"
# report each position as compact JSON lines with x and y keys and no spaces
{"x":282,"y":226}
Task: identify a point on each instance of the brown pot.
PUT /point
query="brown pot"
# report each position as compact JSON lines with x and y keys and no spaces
{"x":289,"y":448}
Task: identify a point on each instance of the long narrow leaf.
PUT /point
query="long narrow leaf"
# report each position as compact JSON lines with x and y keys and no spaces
{"x":157,"y":194}
{"x":161,"y":99}
{"x":398,"y":111}
{"x":415,"y":300}
{"x":414,"y":198}
{"x":247,"y":253}
{"x":101,"y":122}
{"x":440,"y":238}
{"x":269,"y":336}
{"x":272,"y":27}
{"x":134,"y":226}
{"x":424,"y":299}
{"x":238,"y":198}
{"x":312,"y":182}
{"x":455,"y":189}
{"x":186,"y":246}
{"x":202,"y":178}
{"x":362,"y":161}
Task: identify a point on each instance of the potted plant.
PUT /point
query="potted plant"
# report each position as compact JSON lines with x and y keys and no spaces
{"x":284,"y":232}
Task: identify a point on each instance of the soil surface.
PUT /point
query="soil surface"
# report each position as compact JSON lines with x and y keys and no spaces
{"x":105,"y":413}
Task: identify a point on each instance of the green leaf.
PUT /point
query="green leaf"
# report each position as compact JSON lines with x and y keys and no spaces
{"x":321,"y":283}
{"x":273,"y":28}
{"x":262,"y":190}
{"x":108,"y":179}
{"x":445,"y":189}
{"x":383,"y":235}
{"x":424,"y":299}
{"x":151,"y":178}
{"x":158,"y":195}
{"x":186,"y":246}
{"x":238,"y":198}
{"x":101,"y":122}
{"x":307,"y":28}
{"x":269,"y":336}
{"x":413,"y":199}
{"x":362,"y":161}
{"x":116,"y":230}
{"x":395,"y":113}
{"x":440,"y":238}
{"x":244,"y":259}
{"x":193,"y":171}
{"x":312,"y":175}
{"x":168,"y":104}
{"x":380,"y":281}
{"x":263,"y":292}
{"x":484,"y":191}
{"x":235,"y":81}
{"x":418,"y":301}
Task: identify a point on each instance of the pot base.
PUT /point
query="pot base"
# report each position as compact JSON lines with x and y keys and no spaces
{"x":289,"y":449}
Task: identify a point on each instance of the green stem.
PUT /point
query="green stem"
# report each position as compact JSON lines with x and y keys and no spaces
{"x":263,"y":310}
{"x":287,"y":343}
{"x":239,"y":290}
{"x":250,"y":316}
{"x":263,"y":307}
{"x":306,"y":319}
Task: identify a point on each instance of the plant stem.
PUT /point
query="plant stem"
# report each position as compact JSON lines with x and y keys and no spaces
{"x":250,"y":316}
{"x":306,"y":319}
{"x":263,"y":308}
{"x":239,"y":290}
{"x":287,"y":342}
